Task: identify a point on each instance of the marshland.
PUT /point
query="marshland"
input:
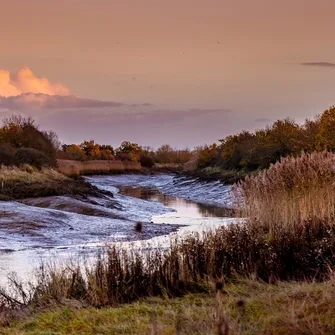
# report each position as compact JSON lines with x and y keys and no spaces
{"x":233,"y":238}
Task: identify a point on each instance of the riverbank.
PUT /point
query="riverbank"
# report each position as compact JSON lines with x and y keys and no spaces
{"x":218,"y":174}
{"x":244,"y":307}
{"x":95,"y":167}
{"x":28,"y":182}
{"x":87,"y":168}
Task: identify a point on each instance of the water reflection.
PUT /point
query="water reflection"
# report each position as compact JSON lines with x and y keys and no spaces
{"x":185,"y":208}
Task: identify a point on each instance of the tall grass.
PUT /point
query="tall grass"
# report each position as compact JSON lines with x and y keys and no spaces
{"x":29,"y":174}
{"x":292,"y":192}
{"x":191,"y":265}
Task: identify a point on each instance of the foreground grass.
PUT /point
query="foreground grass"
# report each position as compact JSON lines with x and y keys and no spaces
{"x":247,"y":307}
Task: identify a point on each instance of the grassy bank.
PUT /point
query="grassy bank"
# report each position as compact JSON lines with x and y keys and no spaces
{"x":244,"y":307}
{"x":26,"y":182}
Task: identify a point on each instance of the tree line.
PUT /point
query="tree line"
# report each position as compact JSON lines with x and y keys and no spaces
{"x":251,"y":151}
{"x":22,"y":142}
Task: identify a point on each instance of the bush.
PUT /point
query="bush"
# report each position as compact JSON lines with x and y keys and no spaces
{"x":147,"y":162}
{"x":32,"y":157}
{"x":7,"y":154}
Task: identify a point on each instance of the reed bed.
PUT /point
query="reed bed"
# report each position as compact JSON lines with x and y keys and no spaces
{"x":291,"y":192}
{"x":191,"y":265}
{"x":76,"y":168}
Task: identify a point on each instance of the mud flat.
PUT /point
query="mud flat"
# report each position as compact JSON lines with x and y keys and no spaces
{"x":60,"y":227}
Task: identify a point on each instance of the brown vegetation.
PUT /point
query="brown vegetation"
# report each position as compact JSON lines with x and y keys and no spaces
{"x":293,"y":192}
{"x":76,"y":168}
{"x":26,"y":182}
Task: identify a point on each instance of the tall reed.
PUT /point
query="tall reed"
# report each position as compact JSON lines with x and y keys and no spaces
{"x":291,"y":192}
{"x":76,"y":168}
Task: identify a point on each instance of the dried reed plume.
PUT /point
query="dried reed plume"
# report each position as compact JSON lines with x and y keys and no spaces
{"x":291,"y":192}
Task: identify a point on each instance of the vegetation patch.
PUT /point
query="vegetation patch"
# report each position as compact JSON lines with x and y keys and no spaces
{"x":27,"y":182}
{"x":244,"y":307}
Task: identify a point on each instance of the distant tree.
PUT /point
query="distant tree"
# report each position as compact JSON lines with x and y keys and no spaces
{"x":74,"y":152}
{"x":128,"y":151}
{"x":91,"y":149}
{"x":325,"y":137}
{"x":107,"y":152}
{"x":206,"y":156}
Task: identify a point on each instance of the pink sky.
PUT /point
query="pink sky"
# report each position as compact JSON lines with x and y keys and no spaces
{"x":196,"y":70}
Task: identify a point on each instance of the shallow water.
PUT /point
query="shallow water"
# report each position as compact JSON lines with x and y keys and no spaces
{"x":61,"y":227}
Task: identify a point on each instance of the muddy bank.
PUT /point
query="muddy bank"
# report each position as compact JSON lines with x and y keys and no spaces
{"x":216,"y":174}
{"x":72,"y":223}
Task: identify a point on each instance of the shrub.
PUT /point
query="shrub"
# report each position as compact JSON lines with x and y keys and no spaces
{"x":22,"y":132}
{"x":7,"y":154}
{"x":147,"y":161}
{"x":32,"y":157}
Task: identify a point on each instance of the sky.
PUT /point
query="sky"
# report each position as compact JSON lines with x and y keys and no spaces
{"x":183,"y":72}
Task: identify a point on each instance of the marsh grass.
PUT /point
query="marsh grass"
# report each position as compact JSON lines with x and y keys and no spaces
{"x":77,"y":168}
{"x":193,"y":265}
{"x":29,"y":174}
{"x":291,"y":192}
{"x":26,"y":181}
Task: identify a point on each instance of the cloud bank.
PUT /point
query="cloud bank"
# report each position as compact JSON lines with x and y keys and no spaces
{"x":46,"y":101}
{"x":319,"y":64}
{"x":24,"y":81}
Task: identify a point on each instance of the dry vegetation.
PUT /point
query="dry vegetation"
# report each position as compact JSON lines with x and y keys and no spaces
{"x":293,"y":192}
{"x":76,"y":168}
{"x":27,"y":181}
